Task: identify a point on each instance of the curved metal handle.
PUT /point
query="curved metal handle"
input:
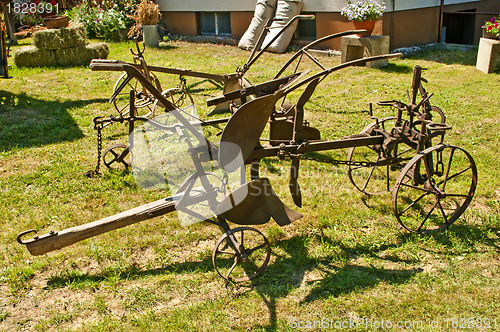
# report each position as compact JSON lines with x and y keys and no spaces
{"x":438,"y":126}
{"x":20,"y":235}
{"x":139,"y":52}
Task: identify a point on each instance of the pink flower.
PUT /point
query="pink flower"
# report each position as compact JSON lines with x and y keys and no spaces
{"x":495,"y":24}
{"x":492,"y":20}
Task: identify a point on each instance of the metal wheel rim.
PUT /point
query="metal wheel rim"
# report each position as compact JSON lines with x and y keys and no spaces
{"x":383,"y":169}
{"x":402,"y":181}
{"x":147,"y":101}
{"x":228,"y":250}
{"x":112,"y":150}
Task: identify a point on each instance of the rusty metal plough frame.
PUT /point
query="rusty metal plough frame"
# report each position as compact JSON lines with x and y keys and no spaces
{"x":116,"y":156}
{"x":426,"y":195}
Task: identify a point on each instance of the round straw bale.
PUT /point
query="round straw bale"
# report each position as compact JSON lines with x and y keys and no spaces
{"x":55,"y":39}
{"x":99,"y":50}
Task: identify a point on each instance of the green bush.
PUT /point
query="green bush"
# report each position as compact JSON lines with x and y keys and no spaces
{"x":103,"y":21}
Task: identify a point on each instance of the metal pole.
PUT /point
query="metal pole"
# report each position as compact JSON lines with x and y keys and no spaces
{"x":441,"y":10}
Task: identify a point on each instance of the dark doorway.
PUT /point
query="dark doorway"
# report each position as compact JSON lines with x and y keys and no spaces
{"x":460,"y":27}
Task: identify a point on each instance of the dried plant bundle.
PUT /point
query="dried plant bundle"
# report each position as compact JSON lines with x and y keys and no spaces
{"x":146,"y":13}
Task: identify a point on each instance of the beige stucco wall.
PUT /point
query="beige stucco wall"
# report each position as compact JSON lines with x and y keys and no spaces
{"x":309,"y":5}
{"x":406,"y":27}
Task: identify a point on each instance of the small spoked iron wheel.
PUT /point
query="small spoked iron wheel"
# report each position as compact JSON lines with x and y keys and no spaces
{"x":143,"y":100}
{"x":117,"y":156}
{"x":378,"y":178}
{"x":249,"y":259}
{"x":434,"y":189}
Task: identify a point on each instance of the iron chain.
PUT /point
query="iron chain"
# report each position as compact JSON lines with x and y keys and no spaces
{"x":97,"y":126}
{"x":326,"y":160}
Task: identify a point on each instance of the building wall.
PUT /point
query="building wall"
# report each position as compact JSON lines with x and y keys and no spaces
{"x":411,"y":23}
{"x":309,"y":5}
{"x":239,"y":23}
{"x":180,"y":23}
{"x":411,"y":27}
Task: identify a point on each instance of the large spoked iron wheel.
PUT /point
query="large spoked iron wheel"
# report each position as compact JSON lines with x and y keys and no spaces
{"x":248,"y":261}
{"x":180,"y":98}
{"x":143,"y":100}
{"x":379,"y":177}
{"x":434,"y":189}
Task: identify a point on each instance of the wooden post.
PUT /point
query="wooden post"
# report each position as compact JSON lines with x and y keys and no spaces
{"x":9,"y":23}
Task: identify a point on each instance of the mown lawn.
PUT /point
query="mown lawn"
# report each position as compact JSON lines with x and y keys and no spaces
{"x":346,"y":263}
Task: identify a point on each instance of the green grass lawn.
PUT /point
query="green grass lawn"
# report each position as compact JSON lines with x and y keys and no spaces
{"x":345,"y":262}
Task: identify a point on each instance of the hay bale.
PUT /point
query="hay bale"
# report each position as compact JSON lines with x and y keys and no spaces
{"x":62,"y":38}
{"x":31,"y":56}
{"x":99,"y":50}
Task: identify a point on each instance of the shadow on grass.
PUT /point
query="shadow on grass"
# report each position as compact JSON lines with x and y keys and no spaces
{"x":26,"y":121}
{"x":396,"y":68}
{"x":289,"y":272}
{"x":463,"y":57}
{"x":165,"y":47}
{"x":292,"y":267}
{"x":463,"y":238}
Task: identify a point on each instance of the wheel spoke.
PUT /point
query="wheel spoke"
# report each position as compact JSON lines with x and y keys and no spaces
{"x":457,"y":195}
{"x":455,"y":175}
{"x":232,"y":267}
{"x":369,"y":177}
{"x":250,"y":251}
{"x":448,"y":168}
{"x":226,"y":252}
{"x":427,"y":216}
{"x":442,"y":211}
{"x":413,"y":203}
{"x":415,"y":187}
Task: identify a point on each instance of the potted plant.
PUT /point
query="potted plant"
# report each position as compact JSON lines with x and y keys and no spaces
{"x":146,"y":18}
{"x":364,"y":14}
{"x":491,"y":28}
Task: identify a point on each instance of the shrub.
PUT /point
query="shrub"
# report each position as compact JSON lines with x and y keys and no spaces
{"x":105,"y":20}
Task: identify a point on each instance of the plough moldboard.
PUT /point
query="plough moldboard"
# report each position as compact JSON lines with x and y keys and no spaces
{"x":432,"y":183}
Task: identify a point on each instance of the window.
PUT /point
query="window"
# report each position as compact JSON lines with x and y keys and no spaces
{"x":215,"y":23}
{"x":306,"y":29}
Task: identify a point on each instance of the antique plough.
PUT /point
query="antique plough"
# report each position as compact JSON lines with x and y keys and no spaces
{"x":117,"y":156}
{"x":434,"y":186}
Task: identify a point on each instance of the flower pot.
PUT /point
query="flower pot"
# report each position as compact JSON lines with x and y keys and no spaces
{"x":366,"y":25}
{"x":150,"y":35}
{"x":56,"y":21}
{"x":487,"y":34}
